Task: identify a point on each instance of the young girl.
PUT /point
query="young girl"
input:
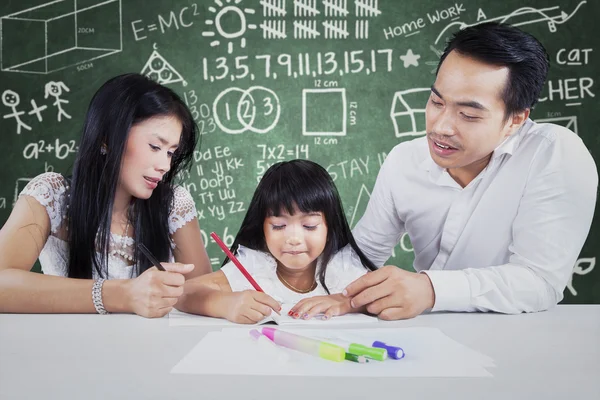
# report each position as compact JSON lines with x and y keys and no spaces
{"x":297,"y":245}
{"x":137,"y":136}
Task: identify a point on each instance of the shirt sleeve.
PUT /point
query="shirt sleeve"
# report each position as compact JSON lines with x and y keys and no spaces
{"x":344,"y":268}
{"x":380,"y":228}
{"x":183,"y":211}
{"x":550,"y":228}
{"x":49,"y":190}
{"x":256,"y":263}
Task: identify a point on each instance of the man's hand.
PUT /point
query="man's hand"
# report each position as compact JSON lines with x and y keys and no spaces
{"x":392,"y":293}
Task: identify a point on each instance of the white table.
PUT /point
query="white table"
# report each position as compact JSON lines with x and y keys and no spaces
{"x":548,"y":355}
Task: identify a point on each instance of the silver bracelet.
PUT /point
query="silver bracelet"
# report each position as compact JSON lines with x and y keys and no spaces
{"x":97,"y":297}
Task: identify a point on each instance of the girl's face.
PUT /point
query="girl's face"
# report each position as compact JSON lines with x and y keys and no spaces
{"x":148,"y":153}
{"x":297,"y":240}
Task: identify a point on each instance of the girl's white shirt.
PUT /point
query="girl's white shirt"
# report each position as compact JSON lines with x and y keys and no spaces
{"x":50,"y":188}
{"x":343,"y":268}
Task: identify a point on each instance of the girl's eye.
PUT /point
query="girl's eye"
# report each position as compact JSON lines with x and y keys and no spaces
{"x":278,"y":227}
{"x":170,"y":154}
{"x":154,"y":148}
{"x":310,"y":227}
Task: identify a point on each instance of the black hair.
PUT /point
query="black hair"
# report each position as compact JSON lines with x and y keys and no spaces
{"x":503,"y":45}
{"x":120,"y":103}
{"x":307,"y":186}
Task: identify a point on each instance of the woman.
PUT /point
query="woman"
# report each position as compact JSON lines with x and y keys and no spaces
{"x":85,"y":230}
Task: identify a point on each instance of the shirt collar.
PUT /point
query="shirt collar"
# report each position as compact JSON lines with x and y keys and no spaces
{"x":439,"y":175}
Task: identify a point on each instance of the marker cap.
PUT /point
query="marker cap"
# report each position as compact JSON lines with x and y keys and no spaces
{"x":394,"y":352}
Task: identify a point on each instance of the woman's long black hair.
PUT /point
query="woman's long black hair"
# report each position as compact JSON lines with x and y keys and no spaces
{"x":119,"y":104}
{"x":308,"y":186}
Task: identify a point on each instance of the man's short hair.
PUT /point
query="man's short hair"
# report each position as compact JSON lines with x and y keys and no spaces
{"x":504,"y":45}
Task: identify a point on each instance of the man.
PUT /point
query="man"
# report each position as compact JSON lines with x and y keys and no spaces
{"x":496,"y":206}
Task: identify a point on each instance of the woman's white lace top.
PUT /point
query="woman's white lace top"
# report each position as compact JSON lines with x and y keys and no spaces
{"x":49,"y":189}
{"x":343,"y":268}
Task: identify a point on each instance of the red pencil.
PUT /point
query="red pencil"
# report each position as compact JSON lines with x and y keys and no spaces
{"x":236,"y":262}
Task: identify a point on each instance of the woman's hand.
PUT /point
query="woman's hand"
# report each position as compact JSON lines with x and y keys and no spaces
{"x":154,"y":293}
{"x":249,"y":306}
{"x":331,"y":306}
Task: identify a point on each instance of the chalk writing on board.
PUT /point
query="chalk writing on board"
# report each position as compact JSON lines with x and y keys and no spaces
{"x":579,"y":269}
{"x":408,"y":112}
{"x":414,"y":26}
{"x":52,"y":147}
{"x":572,"y":90}
{"x":410,"y":59}
{"x":573,"y":56}
{"x":255,"y":109}
{"x":569,"y":122}
{"x":298,"y":65}
{"x":90,"y":40}
{"x":271,"y":154}
{"x":317,"y":123}
{"x":2,"y":202}
{"x":160,"y":70}
{"x":184,"y":18}
{"x":37,"y":110}
{"x":520,"y":17}
{"x":11,"y":99}
{"x":55,"y":90}
{"x":304,"y":28}
{"x":228,"y":34}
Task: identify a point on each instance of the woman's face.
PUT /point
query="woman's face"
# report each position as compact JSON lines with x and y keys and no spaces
{"x":148,"y":154}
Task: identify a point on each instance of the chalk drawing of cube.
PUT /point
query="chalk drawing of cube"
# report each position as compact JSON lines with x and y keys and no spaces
{"x":60,"y":34}
{"x":324,"y":112}
{"x":408,"y":112}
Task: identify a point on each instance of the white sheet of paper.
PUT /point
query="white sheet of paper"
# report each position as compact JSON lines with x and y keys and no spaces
{"x":233,"y":352}
{"x":178,"y":318}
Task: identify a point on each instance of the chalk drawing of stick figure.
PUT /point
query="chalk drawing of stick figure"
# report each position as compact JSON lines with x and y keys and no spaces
{"x":11,"y":100}
{"x":55,"y":90}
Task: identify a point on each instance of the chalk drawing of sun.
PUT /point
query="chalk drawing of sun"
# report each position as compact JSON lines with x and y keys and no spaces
{"x":229,"y":23}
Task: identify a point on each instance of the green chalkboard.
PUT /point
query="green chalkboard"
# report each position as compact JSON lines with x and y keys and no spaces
{"x":339,"y":82}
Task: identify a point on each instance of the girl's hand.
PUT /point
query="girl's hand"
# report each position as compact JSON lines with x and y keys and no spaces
{"x":332,"y":305}
{"x":154,"y":293}
{"x":249,"y":306}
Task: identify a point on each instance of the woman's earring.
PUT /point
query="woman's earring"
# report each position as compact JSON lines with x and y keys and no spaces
{"x":103,"y":150}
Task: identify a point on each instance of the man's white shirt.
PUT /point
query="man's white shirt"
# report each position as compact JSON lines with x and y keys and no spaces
{"x":506,"y":242}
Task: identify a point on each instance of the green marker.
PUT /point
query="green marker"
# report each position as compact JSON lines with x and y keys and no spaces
{"x":355,"y":358}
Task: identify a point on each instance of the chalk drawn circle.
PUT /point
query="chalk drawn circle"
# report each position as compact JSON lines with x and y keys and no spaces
{"x":246,"y":110}
{"x":276,"y":105}
{"x":223,"y":12}
{"x":216,"y":114}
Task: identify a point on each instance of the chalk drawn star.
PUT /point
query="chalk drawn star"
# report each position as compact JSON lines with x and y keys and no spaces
{"x":410,"y":59}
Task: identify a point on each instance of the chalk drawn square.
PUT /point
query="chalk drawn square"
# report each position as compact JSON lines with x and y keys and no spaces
{"x":324,"y":112}
{"x":60,"y":34}
{"x":408,"y":112}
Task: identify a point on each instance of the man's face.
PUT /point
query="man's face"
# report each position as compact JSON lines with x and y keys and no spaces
{"x":465,"y":113}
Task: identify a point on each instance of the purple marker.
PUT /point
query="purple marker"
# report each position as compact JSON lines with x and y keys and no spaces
{"x":393,"y":352}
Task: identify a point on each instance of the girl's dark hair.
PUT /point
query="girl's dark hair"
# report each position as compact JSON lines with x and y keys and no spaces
{"x":307,"y":186}
{"x":120,"y":103}
{"x":504,"y":45}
